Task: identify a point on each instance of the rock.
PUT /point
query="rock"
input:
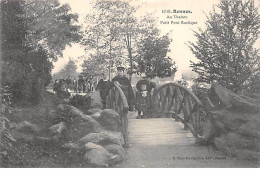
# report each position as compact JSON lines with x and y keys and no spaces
{"x":234,"y":145}
{"x":115,"y":149}
{"x":109,"y":120}
{"x":251,"y":129}
{"x":90,"y":146}
{"x":66,"y":101}
{"x":230,"y":100}
{"x":78,"y":124}
{"x":102,"y":138}
{"x":237,"y":141}
{"x":96,"y":115}
{"x":95,"y":100}
{"x":19,"y":136}
{"x":71,"y":146}
{"x":58,"y":131}
{"x":27,"y":127}
{"x":97,"y":157}
{"x":209,"y":130}
{"x":114,"y":159}
{"x":222,"y":145}
{"x":58,"y":128}
{"x":43,"y":139}
{"x":117,"y":135}
{"x":81,"y":126}
{"x":93,"y":111}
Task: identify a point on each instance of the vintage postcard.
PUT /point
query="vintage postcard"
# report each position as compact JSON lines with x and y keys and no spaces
{"x":130,"y":84}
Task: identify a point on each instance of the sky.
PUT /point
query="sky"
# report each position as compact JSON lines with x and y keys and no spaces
{"x":181,"y":33}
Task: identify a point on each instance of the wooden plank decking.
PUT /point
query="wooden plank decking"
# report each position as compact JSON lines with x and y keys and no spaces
{"x":162,"y":142}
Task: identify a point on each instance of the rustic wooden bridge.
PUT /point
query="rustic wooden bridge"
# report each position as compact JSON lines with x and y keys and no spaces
{"x":169,"y":141}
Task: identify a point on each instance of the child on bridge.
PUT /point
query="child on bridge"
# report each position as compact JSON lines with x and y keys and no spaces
{"x":143,"y":97}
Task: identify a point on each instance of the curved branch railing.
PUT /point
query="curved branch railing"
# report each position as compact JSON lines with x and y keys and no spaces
{"x":116,"y":100}
{"x":179,"y":102}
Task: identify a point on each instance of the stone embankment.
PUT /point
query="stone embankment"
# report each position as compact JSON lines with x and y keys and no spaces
{"x":95,"y":138}
{"x":233,"y":123}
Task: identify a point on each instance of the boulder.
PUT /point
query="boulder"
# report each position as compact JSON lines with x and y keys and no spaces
{"x":237,"y":141}
{"x":222,"y":97}
{"x":93,"y":111}
{"x":27,"y":127}
{"x":235,"y":145}
{"x":250,"y":129}
{"x":96,"y":115}
{"x":97,"y":157}
{"x":114,"y":159}
{"x":102,"y":138}
{"x":58,"y":131}
{"x":78,"y":124}
{"x":109,"y":120}
{"x":115,"y":149}
{"x":82,"y":126}
{"x":19,"y":136}
{"x":71,"y":146}
{"x":57,"y":128}
{"x":90,"y":146}
{"x":222,"y":145}
{"x":209,"y":130}
{"x":94,"y":99}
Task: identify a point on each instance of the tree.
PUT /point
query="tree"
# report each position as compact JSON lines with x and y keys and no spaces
{"x":104,"y":36}
{"x":116,"y":35}
{"x":29,"y":44}
{"x":152,"y":57}
{"x":50,"y":26}
{"x":70,"y":69}
{"x":225,"y":49}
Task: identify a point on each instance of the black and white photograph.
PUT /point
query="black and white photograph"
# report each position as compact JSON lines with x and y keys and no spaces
{"x":130,"y":84}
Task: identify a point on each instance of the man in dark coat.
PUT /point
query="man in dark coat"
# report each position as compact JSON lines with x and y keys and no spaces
{"x":68,"y":83}
{"x":125,"y":86}
{"x":80,"y":84}
{"x":103,"y":87}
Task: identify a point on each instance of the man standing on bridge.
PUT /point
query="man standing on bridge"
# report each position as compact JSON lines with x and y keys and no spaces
{"x":125,"y":86}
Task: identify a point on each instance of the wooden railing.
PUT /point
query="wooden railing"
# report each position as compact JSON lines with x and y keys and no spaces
{"x":179,"y":102}
{"x":116,"y":100}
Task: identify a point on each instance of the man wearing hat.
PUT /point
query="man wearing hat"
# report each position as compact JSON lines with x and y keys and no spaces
{"x":125,"y":86}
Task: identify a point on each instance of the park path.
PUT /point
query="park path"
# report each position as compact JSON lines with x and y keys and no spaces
{"x":162,"y":143}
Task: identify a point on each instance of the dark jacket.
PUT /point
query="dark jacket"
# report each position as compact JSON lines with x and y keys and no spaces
{"x":103,"y":87}
{"x":127,"y":89}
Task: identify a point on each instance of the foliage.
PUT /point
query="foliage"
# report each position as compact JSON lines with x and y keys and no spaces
{"x":103,"y":37}
{"x":51,"y":26}
{"x":116,"y":35}
{"x":152,"y":57}
{"x":77,"y":101}
{"x":70,"y":69}
{"x":226,"y":48}
{"x":33,"y":34}
{"x":7,"y":139}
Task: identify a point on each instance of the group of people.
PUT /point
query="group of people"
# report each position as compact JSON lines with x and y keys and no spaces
{"x":69,"y":85}
{"x":141,"y":101}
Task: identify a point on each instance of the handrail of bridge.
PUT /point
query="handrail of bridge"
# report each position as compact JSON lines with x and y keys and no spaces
{"x":116,"y":100}
{"x":180,"y":103}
